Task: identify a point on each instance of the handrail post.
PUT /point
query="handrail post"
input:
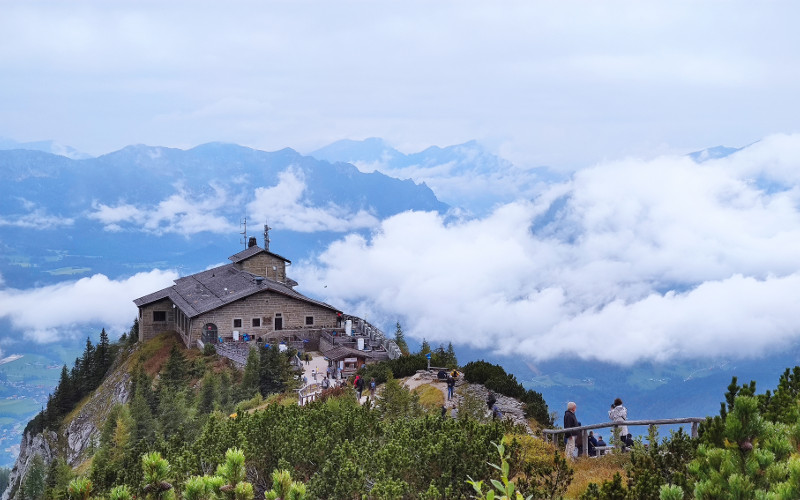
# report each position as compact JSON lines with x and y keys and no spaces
{"x":694,"y":430}
{"x":584,"y":443}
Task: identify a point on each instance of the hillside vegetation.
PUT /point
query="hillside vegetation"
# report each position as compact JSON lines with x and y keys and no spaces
{"x":191,"y":426}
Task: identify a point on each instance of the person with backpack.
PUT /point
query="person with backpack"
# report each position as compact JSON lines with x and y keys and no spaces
{"x":451,"y":383}
{"x":359,"y":383}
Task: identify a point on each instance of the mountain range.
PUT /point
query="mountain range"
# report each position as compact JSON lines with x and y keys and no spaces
{"x":65,"y":215}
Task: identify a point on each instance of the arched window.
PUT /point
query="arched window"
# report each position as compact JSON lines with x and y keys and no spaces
{"x":209,"y":333}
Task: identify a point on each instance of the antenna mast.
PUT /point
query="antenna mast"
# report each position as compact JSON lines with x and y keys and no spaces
{"x":243,"y":225}
{"x":266,"y":236}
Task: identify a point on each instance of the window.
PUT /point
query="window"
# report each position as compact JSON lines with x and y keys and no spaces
{"x":256,"y":322}
{"x":237,"y":323}
{"x":159,"y":315}
{"x":309,"y":320}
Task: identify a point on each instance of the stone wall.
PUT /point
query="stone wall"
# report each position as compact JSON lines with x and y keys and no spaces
{"x":149,"y":328}
{"x":264,"y":264}
{"x":264,"y":307}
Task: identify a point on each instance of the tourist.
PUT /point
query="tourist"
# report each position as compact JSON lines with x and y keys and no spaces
{"x":570,"y":420}
{"x":359,"y":383}
{"x":618,"y":413}
{"x":490,"y":400}
{"x":326,"y":383}
{"x":592,"y":444}
{"x":496,"y":413}
{"x":372,"y":386}
{"x":451,"y":383}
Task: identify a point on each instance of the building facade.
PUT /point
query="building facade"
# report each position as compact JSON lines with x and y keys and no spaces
{"x":249,"y":299}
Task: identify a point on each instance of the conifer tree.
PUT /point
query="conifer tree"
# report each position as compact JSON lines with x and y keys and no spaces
{"x":33,"y":485}
{"x":63,"y":395}
{"x":143,"y":421}
{"x":102,"y":358}
{"x":274,"y":371}
{"x":250,"y":380}
{"x":752,"y":463}
{"x":133,"y":335}
{"x":425,"y":348}
{"x":175,"y":374}
{"x":208,"y":394}
{"x":86,"y":370}
{"x":400,"y":340}
{"x":156,"y":471}
{"x":224,"y":391}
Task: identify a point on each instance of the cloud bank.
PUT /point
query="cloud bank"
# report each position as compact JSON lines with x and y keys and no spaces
{"x":52,"y":312}
{"x":186,"y":213}
{"x":285,"y":204}
{"x":630,"y":260}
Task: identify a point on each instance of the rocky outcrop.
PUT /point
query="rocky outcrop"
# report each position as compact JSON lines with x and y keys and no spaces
{"x":43,"y":445}
{"x":84,"y":428}
{"x":79,"y":432}
{"x":511,"y":409}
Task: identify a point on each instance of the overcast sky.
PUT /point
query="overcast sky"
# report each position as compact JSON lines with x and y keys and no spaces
{"x":640,"y":252}
{"x":563,"y":84}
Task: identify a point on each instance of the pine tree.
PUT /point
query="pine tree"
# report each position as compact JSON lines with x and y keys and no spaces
{"x":400,"y":340}
{"x":33,"y":485}
{"x":274,"y":370}
{"x":102,"y":358}
{"x":86,"y":370}
{"x":752,"y":464}
{"x":224,"y":391}
{"x":63,"y":396}
{"x":156,"y":471}
{"x":425,"y":348}
{"x":452,"y":361}
{"x":175,"y":374}
{"x":143,"y":421}
{"x":250,"y":380}
{"x":208,"y":394}
{"x":133,"y":335}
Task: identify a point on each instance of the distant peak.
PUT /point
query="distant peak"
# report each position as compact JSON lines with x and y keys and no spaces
{"x":713,"y":153}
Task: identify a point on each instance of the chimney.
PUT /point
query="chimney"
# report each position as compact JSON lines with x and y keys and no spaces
{"x":251,"y":242}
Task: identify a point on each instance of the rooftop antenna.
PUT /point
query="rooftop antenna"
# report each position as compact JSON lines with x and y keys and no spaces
{"x":266,"y":236}
{"x":243,"y":225}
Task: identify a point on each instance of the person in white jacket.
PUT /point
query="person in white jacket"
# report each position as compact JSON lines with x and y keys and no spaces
{"x":618,"y":413}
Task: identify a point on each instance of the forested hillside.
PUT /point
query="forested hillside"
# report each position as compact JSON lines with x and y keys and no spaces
{"x":190,"y":425}
{"x":191,"y":407}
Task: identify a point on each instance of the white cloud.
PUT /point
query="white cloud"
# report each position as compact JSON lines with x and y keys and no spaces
{"x":285,"y":204}
{"x":49,"y":313}
{"x":630,"y":260}
{"x":557,"y":83}
{"x":183,"y":213}
{"x":37,"y":218}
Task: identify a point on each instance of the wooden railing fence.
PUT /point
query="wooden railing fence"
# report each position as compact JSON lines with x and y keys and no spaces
{"x":583,"y":436}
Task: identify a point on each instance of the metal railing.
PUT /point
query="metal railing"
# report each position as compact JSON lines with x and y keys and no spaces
{"x":362,"y":327}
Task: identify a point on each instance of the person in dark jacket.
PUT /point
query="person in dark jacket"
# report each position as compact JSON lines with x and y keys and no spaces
{"x":592,"y":444}
{"x":570,"y":420}
{"x":451,"y":383}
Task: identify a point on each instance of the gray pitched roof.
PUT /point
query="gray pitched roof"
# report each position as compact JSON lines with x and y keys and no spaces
{"x":340,"y":352}
{"x":253,"y":250}
{"x":214,"y":288}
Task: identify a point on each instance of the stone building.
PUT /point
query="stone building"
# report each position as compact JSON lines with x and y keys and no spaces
{"x":249,"y":299}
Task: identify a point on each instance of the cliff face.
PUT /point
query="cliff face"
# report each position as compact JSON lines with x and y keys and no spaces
{"x":43,"y":445}
{"x":80,"y":430}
